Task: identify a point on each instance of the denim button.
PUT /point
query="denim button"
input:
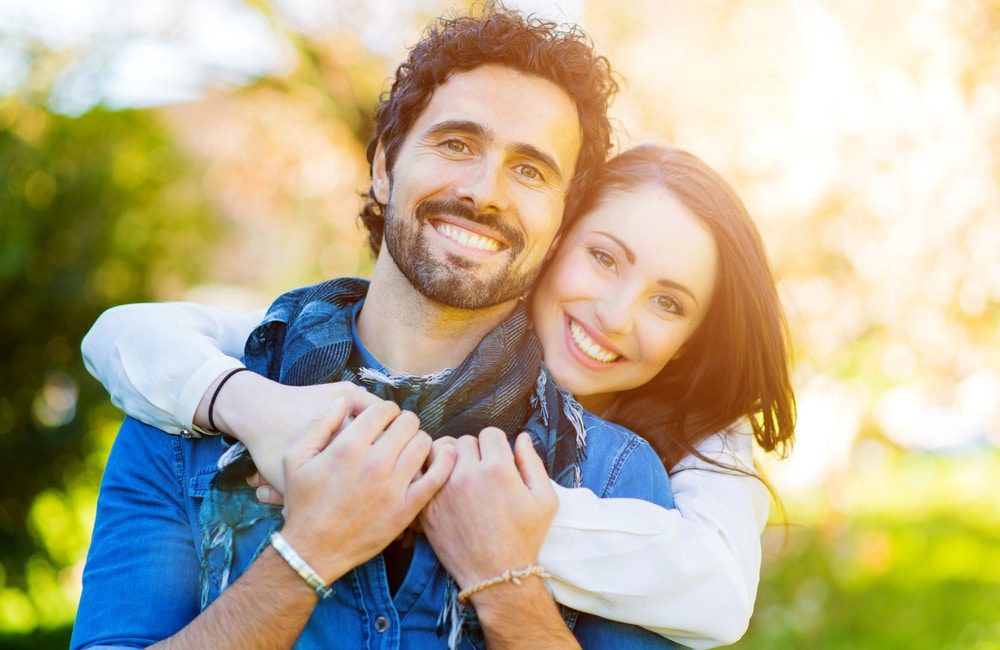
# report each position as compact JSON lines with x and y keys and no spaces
{"x":381,"y":624}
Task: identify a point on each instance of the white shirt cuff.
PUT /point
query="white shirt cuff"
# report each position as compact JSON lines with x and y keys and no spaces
{"x":195,"y":388}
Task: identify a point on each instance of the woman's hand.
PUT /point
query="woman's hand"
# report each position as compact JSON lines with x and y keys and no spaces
{"x":267,"y":416}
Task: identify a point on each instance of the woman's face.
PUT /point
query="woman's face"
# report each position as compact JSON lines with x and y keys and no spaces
{"x":627,"y":287}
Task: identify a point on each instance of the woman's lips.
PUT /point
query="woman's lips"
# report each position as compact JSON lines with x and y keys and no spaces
{"x":587,"y":351}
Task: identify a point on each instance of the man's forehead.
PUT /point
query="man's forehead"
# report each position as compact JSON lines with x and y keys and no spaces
{"x":515,"y":108}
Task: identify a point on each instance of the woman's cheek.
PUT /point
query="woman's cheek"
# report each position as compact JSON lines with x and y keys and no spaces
{"x":579,"y":278}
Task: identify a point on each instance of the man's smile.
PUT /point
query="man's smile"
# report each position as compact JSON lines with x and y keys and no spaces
{"x":466,"y":237}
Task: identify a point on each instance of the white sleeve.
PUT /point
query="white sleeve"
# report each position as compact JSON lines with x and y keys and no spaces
{"x":157,"y":360}
{"x":688,"y":574}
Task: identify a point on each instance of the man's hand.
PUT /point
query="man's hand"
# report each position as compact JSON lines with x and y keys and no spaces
{"x":267,"y":416}
{"x":347,"y":496}
{"x":493,"y":513}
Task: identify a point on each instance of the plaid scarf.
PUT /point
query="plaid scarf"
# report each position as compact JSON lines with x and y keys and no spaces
{"x":306,"y":339}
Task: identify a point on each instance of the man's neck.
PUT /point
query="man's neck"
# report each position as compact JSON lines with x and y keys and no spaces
{"x":409,"y":333}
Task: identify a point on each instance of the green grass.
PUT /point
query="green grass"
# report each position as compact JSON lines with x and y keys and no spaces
{"x":910,"y":558}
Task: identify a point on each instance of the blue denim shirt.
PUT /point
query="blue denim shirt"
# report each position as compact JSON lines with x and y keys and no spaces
{"x":141,"y":581}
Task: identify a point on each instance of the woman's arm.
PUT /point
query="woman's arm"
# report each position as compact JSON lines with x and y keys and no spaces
{"x":688,"y":574}
{"x":158,"y":360}
{"x":163,"y":362}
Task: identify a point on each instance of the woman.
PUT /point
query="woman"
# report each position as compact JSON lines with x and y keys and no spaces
{"x":658,"y":311}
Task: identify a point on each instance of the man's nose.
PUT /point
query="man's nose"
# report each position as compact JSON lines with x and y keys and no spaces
{"x":485,"y":186}
{"x":614,"y":313}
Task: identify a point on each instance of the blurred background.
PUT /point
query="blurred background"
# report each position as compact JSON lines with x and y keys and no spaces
{"x":212,"y":150}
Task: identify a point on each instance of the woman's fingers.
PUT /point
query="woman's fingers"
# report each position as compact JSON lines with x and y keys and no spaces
{"x":398,"y":434}
{"x":494,"y":447}
{"x":267,"y":494}
{"x":317,"y":435}
{"x":370,"y":424}
{"x":422,"y":490}
{"x":530,"y":465}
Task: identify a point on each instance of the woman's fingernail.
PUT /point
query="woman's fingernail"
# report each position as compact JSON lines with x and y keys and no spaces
{"x":263,"y":493}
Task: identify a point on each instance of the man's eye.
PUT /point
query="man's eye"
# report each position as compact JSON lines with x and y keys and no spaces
{"x":456,"y":146}
{"x":529,"y":171}
{"x":603,"y":258}
{"x":668,"y":304}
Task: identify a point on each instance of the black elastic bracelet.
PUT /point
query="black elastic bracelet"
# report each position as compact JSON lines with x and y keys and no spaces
{"x":215,"y":395}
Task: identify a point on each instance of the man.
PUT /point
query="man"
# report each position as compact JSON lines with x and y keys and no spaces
{"x":489,"y":130}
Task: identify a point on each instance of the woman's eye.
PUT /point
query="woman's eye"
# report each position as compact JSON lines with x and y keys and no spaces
{"x":456,"y":146}
{"x":668,"y":304}
{"x":603,"y":258}
{"x":529,"y":171}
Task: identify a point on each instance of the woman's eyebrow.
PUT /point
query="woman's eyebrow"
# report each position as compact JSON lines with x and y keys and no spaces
{"x":628,"y":251}
{"x":670,"y":284}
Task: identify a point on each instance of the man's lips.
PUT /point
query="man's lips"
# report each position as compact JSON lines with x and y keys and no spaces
{"x":468,"y":234}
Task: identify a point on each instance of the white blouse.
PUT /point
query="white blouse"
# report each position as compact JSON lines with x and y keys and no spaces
{"x":688,"y":574}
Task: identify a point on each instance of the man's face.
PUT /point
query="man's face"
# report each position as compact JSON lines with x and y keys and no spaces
{"x":478,"y":186}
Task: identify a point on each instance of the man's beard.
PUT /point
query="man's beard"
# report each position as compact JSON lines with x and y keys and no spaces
{"x":454,"y":282}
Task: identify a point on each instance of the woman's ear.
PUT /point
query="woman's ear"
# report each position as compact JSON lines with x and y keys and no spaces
{"x":380,"y":175}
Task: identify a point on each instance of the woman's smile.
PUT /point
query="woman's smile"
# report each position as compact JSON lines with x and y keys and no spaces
{"x":582,"y":344}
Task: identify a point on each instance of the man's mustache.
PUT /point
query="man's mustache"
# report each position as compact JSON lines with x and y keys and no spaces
{"x":437,"y":207}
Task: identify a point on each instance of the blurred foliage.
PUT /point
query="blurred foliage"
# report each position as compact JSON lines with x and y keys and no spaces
{"x":96,"y":210}
{"x":864,"y":139}
{"x":902,"y":555}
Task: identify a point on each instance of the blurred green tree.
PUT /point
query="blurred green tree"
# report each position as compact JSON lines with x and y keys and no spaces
{"x":95,"y":210}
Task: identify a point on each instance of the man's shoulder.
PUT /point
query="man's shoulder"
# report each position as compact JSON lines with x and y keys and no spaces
{"x":142,"y":445}
{"x":620,"y":463}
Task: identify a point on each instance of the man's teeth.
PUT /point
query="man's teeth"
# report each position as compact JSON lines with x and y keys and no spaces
{"x":466,"y":238}
{"x":588,"y":346}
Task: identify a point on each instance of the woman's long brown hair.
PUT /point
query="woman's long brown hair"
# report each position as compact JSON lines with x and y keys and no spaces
{"x":735,"y":366}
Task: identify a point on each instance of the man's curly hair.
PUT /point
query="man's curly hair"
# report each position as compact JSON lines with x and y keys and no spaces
{"x":563,"y":55}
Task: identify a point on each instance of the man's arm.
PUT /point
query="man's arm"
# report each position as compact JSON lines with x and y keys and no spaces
{"x":141,"y":581}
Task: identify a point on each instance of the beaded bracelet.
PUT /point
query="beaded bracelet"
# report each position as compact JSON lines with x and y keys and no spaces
{"x":515,"y":576}
{"x":299,"y":565}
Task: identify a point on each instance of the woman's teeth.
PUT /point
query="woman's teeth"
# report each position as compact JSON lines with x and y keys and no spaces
{"x":588,"y":346}
{"x":466,"y":238}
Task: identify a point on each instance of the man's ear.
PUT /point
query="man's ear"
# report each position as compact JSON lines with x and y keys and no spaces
{"x":380,"y":175}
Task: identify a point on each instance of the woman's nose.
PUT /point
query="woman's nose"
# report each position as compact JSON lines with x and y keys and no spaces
{"x":614,"y":314}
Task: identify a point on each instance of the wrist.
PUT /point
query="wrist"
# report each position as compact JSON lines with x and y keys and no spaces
{"x":233,"y":412}
{"x":328,"y":563}
{"x":526,"y":600}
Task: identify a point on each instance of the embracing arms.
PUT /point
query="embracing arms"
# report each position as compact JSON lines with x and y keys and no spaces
{"x":689,"y":574}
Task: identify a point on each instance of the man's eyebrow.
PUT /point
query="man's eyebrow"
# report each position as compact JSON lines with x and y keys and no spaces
{"x":529,"y":151}
{"x":478,"y":130}
{"x":669,"y":284}
{"x":461,"y":126}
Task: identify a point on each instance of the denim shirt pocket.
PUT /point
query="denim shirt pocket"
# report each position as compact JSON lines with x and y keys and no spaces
{"x":211,"y":566}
